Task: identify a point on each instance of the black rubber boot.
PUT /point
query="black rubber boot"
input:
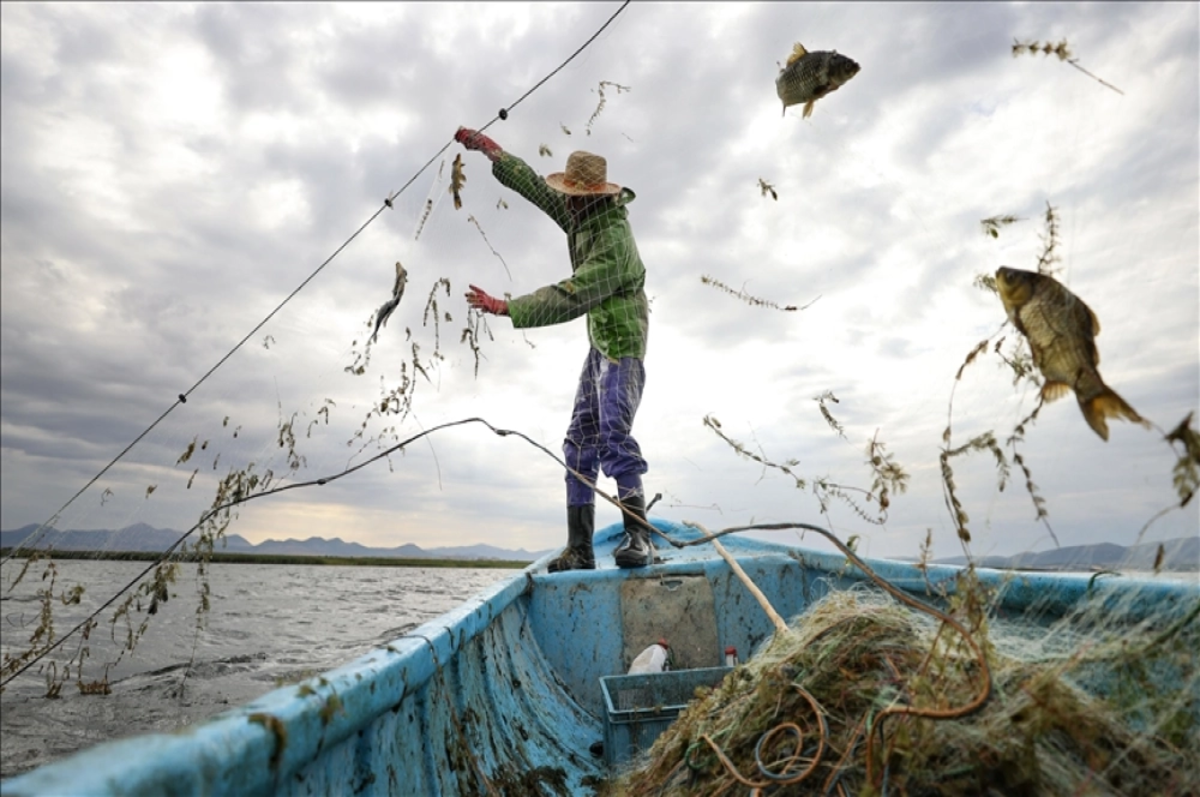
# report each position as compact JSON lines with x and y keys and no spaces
{"x":581,"y":523}
{"x":635,"y":549}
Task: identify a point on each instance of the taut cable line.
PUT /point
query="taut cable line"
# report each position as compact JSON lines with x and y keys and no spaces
{"x":387,"y":204}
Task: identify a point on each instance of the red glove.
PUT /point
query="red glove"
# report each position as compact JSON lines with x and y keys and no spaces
{"x":478,"y":141}
{"x":484,"y":303}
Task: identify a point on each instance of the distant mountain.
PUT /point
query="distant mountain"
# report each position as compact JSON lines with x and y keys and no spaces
{"x":1180,"y":554}
{"x":142,"y":537}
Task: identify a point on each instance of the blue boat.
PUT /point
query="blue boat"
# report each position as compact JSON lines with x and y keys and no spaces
{"x":509,"y":693}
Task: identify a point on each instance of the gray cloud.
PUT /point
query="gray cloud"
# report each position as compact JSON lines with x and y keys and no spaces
{"x":171,"y":173}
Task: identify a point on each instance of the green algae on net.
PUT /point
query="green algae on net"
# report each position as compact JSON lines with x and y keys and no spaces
{"x":1086,"y":705}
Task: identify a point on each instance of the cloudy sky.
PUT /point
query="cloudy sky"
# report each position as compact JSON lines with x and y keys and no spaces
{"x":172,"y":172}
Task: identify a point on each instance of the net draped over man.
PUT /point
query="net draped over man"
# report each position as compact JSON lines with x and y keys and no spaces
{"x":607,"y":284}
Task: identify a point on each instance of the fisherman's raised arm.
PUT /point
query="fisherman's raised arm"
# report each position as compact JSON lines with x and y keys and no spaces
{"x":516,"y":174}
{"x":613,"y":268}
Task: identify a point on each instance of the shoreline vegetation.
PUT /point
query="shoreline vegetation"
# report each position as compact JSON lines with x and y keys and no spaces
{"x":277,"y":559}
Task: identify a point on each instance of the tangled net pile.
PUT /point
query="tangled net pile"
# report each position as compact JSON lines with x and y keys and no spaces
{"x":1117,"y":715}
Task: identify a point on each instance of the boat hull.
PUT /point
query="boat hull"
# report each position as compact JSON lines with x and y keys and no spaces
{"x":503,"y":694}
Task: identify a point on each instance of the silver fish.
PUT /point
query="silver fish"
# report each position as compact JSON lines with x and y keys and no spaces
{"x":381,"y":315}
{"x":808,"y":77}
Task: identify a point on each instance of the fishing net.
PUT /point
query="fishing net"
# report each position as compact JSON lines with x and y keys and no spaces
{"x":867,"y":695}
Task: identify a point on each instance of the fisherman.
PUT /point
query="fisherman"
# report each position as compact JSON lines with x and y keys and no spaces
{"x":606,"y":283}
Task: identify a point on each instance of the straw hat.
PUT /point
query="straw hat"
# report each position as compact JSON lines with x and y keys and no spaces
{"x":586,"y":175}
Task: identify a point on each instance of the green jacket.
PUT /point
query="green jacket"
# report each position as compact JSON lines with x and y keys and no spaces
{"x":607,"y":275}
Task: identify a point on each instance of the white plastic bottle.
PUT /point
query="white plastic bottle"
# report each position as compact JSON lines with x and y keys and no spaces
{"x":652,"y":659}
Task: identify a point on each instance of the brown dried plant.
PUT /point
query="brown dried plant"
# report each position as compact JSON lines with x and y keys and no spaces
{"x":1039,"y":503}
{"x":986,"y":282}
{"x":715,"y":425}
{"x":424,"y":218}
{"x":323,"y":412}
{"x":600,"y":106}
{"x":431,"y":310}
{"x":1019,"y":361}
{"x":42,"y":638}
{"x":457,"y":180}
{"x":1060,"y":49}
{"x":753,"y":301}
{"x":1023,"y":369}
{"x":476,"y":323}
{"x":992,"y":224}
{"x":474,"y":221}
{"x":982,"y":442}
{"x":824,"y":408}
{"x":887,"y":476}
{"x":361,"y":359}
{"x":1186,"y":472}
{"x":1051,"y":239}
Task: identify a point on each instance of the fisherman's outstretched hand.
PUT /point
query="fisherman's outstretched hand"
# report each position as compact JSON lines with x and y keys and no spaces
{"x":486,"y":304}
{"x":472,"y":139}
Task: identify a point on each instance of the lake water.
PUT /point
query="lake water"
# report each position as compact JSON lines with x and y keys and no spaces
{"x":269,"y":625}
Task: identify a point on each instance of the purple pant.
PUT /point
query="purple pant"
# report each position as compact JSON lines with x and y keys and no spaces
{"x":601,"y":421}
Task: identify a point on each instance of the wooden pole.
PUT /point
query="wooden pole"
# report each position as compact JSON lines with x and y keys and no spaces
{"x":781,"y":627}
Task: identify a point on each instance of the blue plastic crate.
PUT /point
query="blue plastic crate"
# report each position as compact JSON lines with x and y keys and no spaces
{"x":640,"y":707}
